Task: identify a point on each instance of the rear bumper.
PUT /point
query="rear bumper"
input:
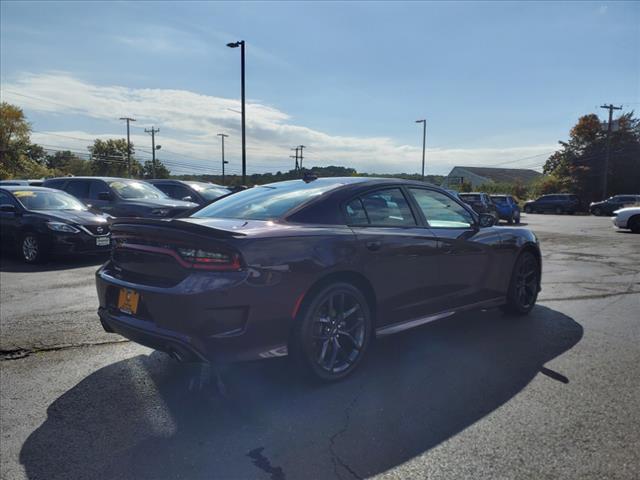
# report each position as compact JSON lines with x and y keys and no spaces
{"x":209,"y":316}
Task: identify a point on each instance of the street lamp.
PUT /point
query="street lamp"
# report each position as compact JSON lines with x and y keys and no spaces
{"x":424,"y":142}
{"x":244,"y":143}
{"x":222,"y":135}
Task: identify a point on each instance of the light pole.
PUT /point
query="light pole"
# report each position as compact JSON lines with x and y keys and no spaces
{"x":424,"y":142}
{"x":222,"y":136}
{"x":244,"y":143}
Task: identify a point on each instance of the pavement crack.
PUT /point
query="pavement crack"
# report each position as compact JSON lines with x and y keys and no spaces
{"x":18,"y":353}
{"x":589,"y":297}
{"x":335,"y":458}
{"x":264,"y":464}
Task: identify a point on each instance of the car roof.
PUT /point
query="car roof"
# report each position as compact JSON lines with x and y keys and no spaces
{"x":107,"y":179}
{"x":22,"y":188}
{"x":347,"y":181}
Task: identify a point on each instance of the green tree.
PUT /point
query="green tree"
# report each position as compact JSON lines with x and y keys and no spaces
{"x":68,"y":163}
{"x":109,"y":158}
{"x":161,"y":170}
{"x":19,"y":158}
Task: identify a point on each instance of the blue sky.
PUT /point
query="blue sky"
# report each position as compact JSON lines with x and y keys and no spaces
{"x":499,"y":83}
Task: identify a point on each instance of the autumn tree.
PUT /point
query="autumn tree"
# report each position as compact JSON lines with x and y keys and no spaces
{"x":19,"y":158}
{"x":578,"y":166}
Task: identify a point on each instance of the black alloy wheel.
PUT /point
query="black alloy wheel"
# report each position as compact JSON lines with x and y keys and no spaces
{"x":634,"y":224}
{"x":528,"y":209}
{"x":558,"y":210}
{"x":334,"y":331}
{"x":523,"y":288}
{"x":597,"y":211}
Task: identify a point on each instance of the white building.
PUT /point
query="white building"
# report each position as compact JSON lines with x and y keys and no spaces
{"x":477,"y":176}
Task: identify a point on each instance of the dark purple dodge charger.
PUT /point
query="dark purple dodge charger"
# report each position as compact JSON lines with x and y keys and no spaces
{"x":315,"y":268}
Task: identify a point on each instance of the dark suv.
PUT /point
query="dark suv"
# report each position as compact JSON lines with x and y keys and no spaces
{"x":480,"y":202}
{"x":201,"y":193}
{"x":555,"y":203}
{"x":121,"y":197}
{"x":611,"y":204}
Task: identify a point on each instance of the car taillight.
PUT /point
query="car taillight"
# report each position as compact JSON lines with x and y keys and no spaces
{"x":209,"y":259}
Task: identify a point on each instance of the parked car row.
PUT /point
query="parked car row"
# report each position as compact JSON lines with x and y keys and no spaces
{"x":69,"y":215}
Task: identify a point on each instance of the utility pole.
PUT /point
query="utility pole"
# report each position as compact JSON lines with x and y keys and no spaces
{"x":153,"y":132}
{"x":296,"y":157}
{"x":127,"y":119}
{"x":424,"y":142}
{"x":301,"y":147}
{"x":222,"y":136}
{"x":605,"y":176}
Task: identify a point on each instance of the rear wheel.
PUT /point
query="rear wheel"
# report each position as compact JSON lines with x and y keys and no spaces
{"x":558,"y":210}
{"x":523,"y":287}
{"x":333,"y":332}
{"x":634,"y":224}
{"x":597,"y":211}
{"x":528,"y":209}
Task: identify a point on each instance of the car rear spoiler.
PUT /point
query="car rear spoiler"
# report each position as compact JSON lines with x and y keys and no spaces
{"x":126,"y":224}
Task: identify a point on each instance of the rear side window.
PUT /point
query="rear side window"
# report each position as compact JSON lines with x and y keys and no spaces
{"x":58,"y":183}
{"x":5,"y":199}
{"x":78,"y":188}
{"x":385,"y":208}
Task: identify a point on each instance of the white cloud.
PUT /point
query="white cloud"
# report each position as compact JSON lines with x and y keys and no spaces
{"x":190,"y":122}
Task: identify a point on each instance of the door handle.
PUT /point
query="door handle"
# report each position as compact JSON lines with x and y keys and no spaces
{"x":373,"y":246}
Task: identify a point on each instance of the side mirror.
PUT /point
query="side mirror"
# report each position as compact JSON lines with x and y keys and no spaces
{"x":105,"y":196}
{"x":8,"y":208}
{"x":188,"y":198}
{"x":486,"y":220}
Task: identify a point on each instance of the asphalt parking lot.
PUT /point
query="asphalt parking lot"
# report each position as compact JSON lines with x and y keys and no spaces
{"x":478,"y":395}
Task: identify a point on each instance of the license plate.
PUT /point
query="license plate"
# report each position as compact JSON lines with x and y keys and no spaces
{"x":103,"y":241}
{"x":128,"y":301}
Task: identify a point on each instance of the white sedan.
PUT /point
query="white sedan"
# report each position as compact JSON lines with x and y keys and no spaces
{"x":628,"y":218}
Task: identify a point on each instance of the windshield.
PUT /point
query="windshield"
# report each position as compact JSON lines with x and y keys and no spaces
{"x":266,"y":202}
{"x":208,"y":190}
{"x":45,"y":200}
{"x":131,"y":189}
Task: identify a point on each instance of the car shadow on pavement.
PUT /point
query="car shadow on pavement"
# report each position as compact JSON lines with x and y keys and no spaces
{"x":149,"y":417}
{"x":11,"y":263}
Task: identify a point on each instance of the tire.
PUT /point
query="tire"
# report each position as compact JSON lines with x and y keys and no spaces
{"x":558,"y":210}
{"x":510,"y":220}
{"x":332,"y":332}
{"x":634,"y":224}
{"x":597,"y":211}
{"x":527,"y":209}
{"x":31,"y":248}
{"x":523,"y":286}
{"x":518,"y":220}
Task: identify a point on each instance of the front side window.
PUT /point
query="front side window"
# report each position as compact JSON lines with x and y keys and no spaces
{"x":386,"y":208}
{"x":132,"y":190}
{"x":5,"y":199}
{"x":440,"y":210}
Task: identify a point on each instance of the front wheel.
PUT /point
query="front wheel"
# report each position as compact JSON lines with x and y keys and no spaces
{"x":31,"y":248}
{"x":333,"y":332}
{"x":523,"y":287}
{"x":597,"y":211}
{"x":634,"y":224}
{"x":558,"y":211}
{"x":528,"y":209}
